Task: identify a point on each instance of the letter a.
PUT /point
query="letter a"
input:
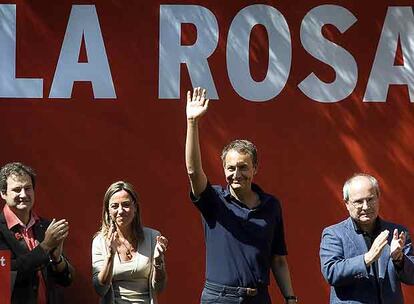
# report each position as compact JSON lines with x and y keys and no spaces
{"x":83,"y":22}
{"x":399,"y":22}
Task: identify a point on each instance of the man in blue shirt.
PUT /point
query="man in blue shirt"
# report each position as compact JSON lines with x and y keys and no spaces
{"x":243,"y":225}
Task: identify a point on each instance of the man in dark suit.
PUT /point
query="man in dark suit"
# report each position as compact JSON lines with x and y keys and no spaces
{"x":36,"y":244}
{"x":364,"y":258}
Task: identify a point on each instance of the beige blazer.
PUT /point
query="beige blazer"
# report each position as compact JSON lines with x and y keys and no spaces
{"x":99,"y":254}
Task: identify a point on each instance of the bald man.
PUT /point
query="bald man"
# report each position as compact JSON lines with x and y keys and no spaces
{"x":364,"y":258}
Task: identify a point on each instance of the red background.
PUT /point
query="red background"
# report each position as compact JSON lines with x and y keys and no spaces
{"x":5,"y":278}
{"x":306,"y":149}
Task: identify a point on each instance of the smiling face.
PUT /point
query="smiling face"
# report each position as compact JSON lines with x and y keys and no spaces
{"x":363,"y":202}
{"x":239,"y":170}
{"x":19,"y":195}
{"x":122,"y":208}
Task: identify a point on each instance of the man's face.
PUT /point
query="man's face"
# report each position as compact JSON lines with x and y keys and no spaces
{"x":239,"y":170}
{"x":19,"y":194}
{"x":363,"y":202}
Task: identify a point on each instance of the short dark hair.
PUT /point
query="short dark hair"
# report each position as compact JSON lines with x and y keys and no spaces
{"x":242,"y":146}
{"x":15,"y":168}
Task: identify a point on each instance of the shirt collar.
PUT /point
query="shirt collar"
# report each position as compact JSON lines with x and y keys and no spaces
{"x":262,"y":195}
{"x":377,"y":227}
{"x":12,"y":219}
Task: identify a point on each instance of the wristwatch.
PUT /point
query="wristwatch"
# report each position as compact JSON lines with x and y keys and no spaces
{"x":56,"y":262}
{"x":158,"y":266}
{"x":291,"y":298}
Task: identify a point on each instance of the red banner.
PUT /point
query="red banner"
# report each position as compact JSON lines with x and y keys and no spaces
{"x":94,"y":91}
{"x":5,"y":277}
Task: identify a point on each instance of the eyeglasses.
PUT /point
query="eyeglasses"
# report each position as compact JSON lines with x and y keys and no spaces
{"x":370,"y":201}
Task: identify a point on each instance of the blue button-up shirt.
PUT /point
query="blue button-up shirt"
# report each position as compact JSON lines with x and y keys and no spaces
{"x":240,"y":242}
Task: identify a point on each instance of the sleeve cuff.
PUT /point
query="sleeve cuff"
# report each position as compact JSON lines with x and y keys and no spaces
{"x":195,"y":199}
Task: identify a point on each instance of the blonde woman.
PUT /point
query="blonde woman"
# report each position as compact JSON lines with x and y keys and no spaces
{"x":127,"y":259}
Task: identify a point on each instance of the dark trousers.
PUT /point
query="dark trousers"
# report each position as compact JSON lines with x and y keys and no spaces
{"x":222,"y":294}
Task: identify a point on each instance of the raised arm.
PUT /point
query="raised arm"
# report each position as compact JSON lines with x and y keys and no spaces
{"x":196,"y":107}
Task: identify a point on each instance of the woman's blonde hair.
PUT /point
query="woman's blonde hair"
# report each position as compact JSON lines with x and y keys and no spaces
{"x":138,"y":234}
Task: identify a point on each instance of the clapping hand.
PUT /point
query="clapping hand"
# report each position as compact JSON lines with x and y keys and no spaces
{"x":197,"y":104}
{"x":397,"y":245}
{"x":111,"y":239}
{"x":160,"y":248}
{"x":55,"y":234}
{"x":376,"y":249}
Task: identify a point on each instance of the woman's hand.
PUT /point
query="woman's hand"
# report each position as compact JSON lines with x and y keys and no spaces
{"x":160,"y":248}
{"x":111,"y":239}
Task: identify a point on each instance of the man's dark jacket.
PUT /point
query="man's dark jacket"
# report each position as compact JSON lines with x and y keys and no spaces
{"x":26,"y":263}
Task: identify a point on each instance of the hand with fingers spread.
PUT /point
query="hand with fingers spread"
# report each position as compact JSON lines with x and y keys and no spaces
{"x":197,"y":104}
{"x":376,"y":249}
{"x":55,"y":234}
{"x":159,"y":251}
{"x":397,"y":245}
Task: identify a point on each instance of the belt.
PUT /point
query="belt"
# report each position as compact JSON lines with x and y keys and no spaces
{"x":240,"y":291}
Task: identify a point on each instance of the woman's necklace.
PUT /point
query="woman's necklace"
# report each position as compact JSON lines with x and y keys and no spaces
{"x":129,"y":249}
